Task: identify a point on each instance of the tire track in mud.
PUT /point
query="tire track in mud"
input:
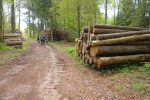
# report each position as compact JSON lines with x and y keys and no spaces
{"x":51,"y":78}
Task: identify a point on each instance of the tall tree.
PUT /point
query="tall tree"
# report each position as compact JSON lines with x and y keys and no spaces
{"x":78,"y":16}
{"x":106,"y":4}
{"x":1,"y":20}
{"x":19,"y":11}
{"x":13,"y":24}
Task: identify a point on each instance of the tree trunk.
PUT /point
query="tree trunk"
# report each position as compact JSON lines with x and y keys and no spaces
{"x":106,"y":3}
{"x":51,"y":32}
{"x":1,"y":20}
{"x":13,"y":24}
{"x":106,"y":31}
{"x":104,"y":61}
{"x":78,"y":17}
{"x":115,"y":12}
{"x":121,"y":40}
{"x":95,"y":12}
{"x":19,"y":14}
{"x":117,"y":50}
{"x":123,"y":34}
{"x":119,"y":27}
{"x":30,"y":35}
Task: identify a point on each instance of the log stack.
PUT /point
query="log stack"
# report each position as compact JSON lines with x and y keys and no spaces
{"x":13,"y":40}
{"x":103,"y":45}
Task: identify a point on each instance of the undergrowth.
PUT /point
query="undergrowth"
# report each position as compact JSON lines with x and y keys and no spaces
{"x":4,"y":48}
{"x":8,"y":53}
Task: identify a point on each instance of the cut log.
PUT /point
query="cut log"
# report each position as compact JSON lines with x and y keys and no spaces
{"x":90,"y":29}
{"x":12,"y":39}
{"x":85,"y":29}
{"x":93,"y":60}
{"x":119,"y":27}
{"x":86,"y":61}
{"x":87,"y":56}
{"x":122,"y":34}
{"x":12,"y":35}
{"x":104,"y":61}
{"x":117,"y":50}
{"x":137,"y":43}
{"x":76,"y":40}
{"x":14,"y":43}
{"x":17,"y":46}
{"x":85,"y":36}
{"x":92,"y":37}
{"x":106,"y":31}
{"x":121,"y":40}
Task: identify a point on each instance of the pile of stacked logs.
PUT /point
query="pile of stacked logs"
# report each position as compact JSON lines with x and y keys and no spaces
{"x":13,"y":40}
{"x":103,"y":45}
{"x":56,"y":34}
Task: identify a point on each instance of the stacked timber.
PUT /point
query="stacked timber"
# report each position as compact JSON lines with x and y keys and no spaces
{"x":102,"y":45}
{"x":13,"y":40}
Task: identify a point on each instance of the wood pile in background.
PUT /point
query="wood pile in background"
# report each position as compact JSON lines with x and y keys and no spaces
{"x":13,"y":40}
{"x":102,"y":45}
{"x":56,"y":34}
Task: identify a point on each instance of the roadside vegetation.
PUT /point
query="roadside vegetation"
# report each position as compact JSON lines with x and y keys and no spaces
{"x":129,"y":80}
{"x":8,"y":54}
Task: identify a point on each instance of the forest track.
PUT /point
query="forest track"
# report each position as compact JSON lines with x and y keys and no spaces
{"x":44,"y":73}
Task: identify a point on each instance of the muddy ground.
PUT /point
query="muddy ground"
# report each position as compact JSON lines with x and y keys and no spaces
{"x":45,"y":73}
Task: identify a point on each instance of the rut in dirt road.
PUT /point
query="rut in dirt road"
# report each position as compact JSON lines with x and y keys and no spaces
{"x":44,"y":73}
{"x":34,"y":76}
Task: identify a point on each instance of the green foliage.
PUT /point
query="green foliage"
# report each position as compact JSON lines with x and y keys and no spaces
{"x":133,"y":13}
{"x":127,"y":68}
{"x":4,"y":48}
{"x":138,"y":86}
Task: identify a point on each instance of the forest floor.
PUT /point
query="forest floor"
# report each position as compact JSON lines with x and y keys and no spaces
{"x":46,"y":72}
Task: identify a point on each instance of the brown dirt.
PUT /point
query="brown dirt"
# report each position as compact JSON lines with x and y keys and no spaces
{"x":44,"y":73}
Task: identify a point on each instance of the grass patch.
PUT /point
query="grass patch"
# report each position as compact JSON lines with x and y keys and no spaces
{"x":138,"y":86}
{"x":126,"y":68}
{"x":4,"y":48}
{"x":72,"y":52}
{"x":8,"y":53}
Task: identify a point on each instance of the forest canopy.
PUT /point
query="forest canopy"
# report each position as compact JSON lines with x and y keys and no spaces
{"x":71,"y":15}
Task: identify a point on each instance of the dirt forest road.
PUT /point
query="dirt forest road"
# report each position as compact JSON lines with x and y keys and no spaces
{"x":43,"y":73}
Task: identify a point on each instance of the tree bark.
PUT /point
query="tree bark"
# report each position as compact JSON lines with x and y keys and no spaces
{"x":19,"y":14}
{"x":117,"y":50}
{"x":95,"y":12}
{"x":106,"y":31}
{"x":13,"y":24}
{"x":123,"y":34}
{"x":119,"y":27}
{"x":106,"y":3}
{"x":78,"y":16}
{"x":104,"y":61}
{"x":30,"y":34}
{"x":121,"y":40}
{"x":137,"y":43}
{"x":1,"y":20}
{"x":92,"y":37}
